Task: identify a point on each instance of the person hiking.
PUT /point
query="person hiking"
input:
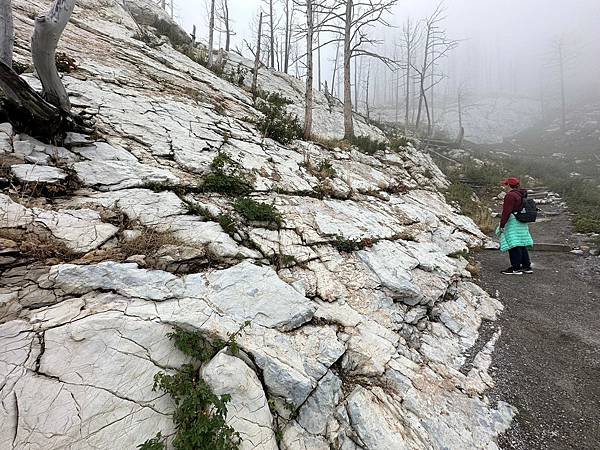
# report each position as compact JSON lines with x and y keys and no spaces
{"x":514,"y":235}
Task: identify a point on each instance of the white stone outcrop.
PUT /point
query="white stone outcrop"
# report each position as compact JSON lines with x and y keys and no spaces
{"x":360,"y":314}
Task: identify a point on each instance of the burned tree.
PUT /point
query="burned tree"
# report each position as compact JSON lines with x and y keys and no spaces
{"x":211,"y":33}
{"x":354,"y":19}
{"x":410,"y":40}
{"x":49,"y":112}
{"x":257,"y":57}
{"x":436,"y":47}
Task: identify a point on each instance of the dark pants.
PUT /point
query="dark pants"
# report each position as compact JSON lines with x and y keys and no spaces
{"x":519,"y":258}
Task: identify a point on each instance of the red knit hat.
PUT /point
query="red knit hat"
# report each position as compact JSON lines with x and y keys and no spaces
{"x":511,"y":182}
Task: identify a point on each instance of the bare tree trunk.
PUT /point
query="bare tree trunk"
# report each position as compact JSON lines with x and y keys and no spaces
{"x":309,"y":70}
{"x":211,"y":33}
{"x":257,"y":57}
{"x":6,"y":32}
{"x":46,"y":34}
{"x":272,"y":40}
{"x":563,"y":102}
{"x":367,"y":95}
{"x":172,"y":9}
{"x":227,"y":25}
{"x":407,"y":105}
{"x":286,"y":54}
{"x":461,"y":130}
{"x":318,"y":59}
{"x":431,"y":126}
{"x":335,"y":66}
{"x":348,"y":120}
{"x":163,"y":4}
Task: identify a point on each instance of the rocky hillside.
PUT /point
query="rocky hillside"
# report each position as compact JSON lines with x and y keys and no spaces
{"x":338,"y":272}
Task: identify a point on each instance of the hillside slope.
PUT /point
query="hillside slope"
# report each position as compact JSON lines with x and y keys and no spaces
{"x":362,"y":316}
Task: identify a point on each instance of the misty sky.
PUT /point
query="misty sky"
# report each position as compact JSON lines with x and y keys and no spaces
{"x":499,"y":36}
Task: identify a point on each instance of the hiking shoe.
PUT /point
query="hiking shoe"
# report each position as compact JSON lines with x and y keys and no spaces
{"x":511,"y":271}
{"x":527,"y":270}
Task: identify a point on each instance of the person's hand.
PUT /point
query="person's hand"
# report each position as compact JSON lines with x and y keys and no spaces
{"x":501,"y":230}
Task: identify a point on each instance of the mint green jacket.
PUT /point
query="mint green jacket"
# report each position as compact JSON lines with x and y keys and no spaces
{"x":516,"y":234}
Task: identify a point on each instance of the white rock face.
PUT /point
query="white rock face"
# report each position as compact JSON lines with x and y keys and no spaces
{"x":247,"y":412}
{"x":29,"y":173}
{"x":80,"y":230}
{"x":360,"y":322}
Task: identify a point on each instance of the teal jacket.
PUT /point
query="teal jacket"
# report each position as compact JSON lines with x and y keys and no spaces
{"x":516,"y":234}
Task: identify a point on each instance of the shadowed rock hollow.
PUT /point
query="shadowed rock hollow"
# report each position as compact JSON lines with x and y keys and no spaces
{"x":361,"y":320}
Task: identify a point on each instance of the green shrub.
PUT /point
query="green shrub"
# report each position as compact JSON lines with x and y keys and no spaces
{"x":366,"y":145}
{"x":349,"y":246}
{"x":226,"y":177}
{"x":199,"y":414}
{"x":326,"y":170}
{"x":587,"y":224}
{"x":228,"y":224}
{"x":194,"y":344}
{"x":257,"y":212}
{"x":156,"y":443}
{"x":277,"y":123}
{"x":399,"y":142}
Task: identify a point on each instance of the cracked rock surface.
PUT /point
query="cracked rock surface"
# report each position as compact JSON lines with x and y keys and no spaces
{"x":362,"y":316}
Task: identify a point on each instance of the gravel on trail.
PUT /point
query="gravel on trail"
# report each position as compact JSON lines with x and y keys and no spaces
{"x":547,"y":361}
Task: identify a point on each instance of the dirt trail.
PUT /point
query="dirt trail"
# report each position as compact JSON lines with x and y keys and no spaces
{"x":547,"y":362}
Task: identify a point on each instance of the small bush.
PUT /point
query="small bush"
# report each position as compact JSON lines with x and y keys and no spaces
{"x":366,"y":145}
{"x":325,"y":170}
{"x":587,"y":224}
{"x":349,"y":246}
{"x":257,"y":212}
{"x":399,"y":142}
{"x":194,"y":344}
{"x":220,"y":183}
{"x":200,"y":415}
{"x":277,"y":123}
{"x":228,"y":224}
{"x":156,"y":443}
{"x":226,"y":177}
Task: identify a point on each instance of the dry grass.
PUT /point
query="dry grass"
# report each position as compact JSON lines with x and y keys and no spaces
{"x":332,"y":144}
{"x":39,"y":246}
{"x":484,"y":220}
{"x":148,"y":243}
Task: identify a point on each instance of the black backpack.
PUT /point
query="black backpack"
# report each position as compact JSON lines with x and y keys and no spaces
{"x":528,"y":211}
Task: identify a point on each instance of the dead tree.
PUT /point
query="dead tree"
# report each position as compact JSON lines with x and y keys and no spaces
{"x":436,"y":47}
{"x":559,"y":60}
{"x":48,"y":113}
{"x":223,"y":18}
{"x":271,"y":56}
{"x":257,"y":57}
{"x":410,"y":41}
{"x":211,"y":32}
{"x":355,"y":17}
{"x":288,"y":10}
{"x":309,"y":70}
{"x":314,"y":9}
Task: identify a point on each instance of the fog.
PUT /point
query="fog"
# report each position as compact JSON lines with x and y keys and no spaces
{"x":507,"y":47}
